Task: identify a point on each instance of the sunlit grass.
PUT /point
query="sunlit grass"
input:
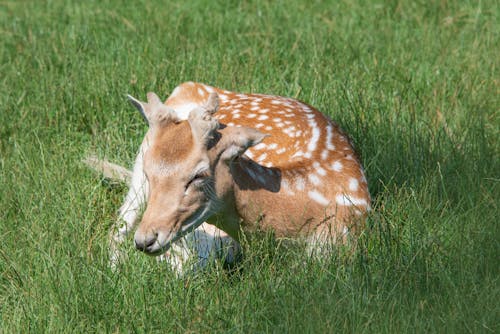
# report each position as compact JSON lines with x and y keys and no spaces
{"x":414,"y":84}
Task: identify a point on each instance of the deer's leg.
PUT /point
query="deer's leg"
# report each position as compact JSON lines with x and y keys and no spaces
{"x":332,"y":231}
{"x":213,"y":243}
{"x":201,"y":247}
{"x":129,"y":212}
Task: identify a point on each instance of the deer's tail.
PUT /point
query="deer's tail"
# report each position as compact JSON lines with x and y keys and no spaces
{"x":108,"y":169}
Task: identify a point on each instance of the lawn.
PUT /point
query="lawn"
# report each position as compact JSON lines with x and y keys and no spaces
{"x":414,"y":83}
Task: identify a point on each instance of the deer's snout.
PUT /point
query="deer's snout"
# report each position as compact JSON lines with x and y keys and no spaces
{"x":151,"y":242}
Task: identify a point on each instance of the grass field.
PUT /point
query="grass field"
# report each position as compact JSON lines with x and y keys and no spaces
{"x":415,"y":83}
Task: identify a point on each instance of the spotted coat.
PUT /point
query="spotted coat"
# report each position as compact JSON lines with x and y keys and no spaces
{"x":305,"y":176}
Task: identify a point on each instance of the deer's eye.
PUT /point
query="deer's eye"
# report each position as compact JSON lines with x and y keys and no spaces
{"x":198,"y":179}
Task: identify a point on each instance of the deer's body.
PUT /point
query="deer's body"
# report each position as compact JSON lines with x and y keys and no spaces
{"x":298,"y":175}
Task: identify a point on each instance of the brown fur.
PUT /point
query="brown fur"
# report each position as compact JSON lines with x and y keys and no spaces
{"x":304,"y":179}
{"x":177,"y":142}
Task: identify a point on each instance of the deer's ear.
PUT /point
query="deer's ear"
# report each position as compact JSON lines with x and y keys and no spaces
{"x":153,"y":99}
{"x":154,"y":111}
{"x":212,"y":105}
{"x":202,"y":124}
{"x":140,"y":106}
{"x":237,"y":140}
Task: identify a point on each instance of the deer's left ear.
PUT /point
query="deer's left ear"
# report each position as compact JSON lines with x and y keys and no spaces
{"x":140,"y":106}
{"x":154,"y":111}
{"x":201,"y":119}
{"x":236,"y":140}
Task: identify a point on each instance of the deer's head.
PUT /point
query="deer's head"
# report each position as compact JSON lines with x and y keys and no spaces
{"x":188,"y":169}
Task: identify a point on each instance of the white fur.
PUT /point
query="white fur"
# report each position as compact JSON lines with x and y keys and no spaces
{"x":183,"y":110}
{"x":195,"y":251}
{"x":128,"y":214}
{"x":318,"y":197}
{"x":347,"y":200}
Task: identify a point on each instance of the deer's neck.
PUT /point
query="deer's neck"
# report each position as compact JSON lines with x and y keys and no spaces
{"x":254,"y":186}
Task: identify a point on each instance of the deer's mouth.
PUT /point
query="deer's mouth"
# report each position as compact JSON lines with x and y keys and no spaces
{"x":160,"y":242}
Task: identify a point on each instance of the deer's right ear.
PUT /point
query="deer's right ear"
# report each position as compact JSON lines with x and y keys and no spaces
{"x":141,"y":106}
{"x":237,"y":140}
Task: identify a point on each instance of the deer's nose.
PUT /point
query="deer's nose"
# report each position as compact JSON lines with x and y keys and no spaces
{"x":145,"y":241}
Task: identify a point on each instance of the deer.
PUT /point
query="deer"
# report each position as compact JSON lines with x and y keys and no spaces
{"x":237,"y":163}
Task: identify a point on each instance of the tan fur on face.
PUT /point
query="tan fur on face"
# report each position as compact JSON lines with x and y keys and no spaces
{"x":170,"y":164}
{"x":173,"y":142}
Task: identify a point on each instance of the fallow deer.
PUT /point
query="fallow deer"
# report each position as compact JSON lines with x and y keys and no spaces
{"x":240,"y":162}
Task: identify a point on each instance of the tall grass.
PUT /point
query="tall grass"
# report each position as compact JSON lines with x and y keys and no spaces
{"x":415,"y":84}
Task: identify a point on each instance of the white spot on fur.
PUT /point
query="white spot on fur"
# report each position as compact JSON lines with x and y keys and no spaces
{"x":299,"y":183}
{"x":262,"y":117}
{"x":262,"y":157}
{"x":324,"y":155}
{"x":314,"y":179}
{"x":306,"y":108}
{"x":329,"y":144}
{"x":286,"y":187}
{"x":281,"y":151}
{"x":201,"y":92}
{"x":311,"y":146}
{"x":317,"y":197}
{"x":251,"y":115}
{"x":260,"y":146}
{"x":353,"y":184}
{"x":290,"y":131}
{"x":347,"y":200}
{"x":209,"y":89}
{"x":320,"y":170}
{"x":258,"y":126}
{"x":336,"y":166}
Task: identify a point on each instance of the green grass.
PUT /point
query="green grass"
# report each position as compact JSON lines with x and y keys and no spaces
{"x":415,"y":84}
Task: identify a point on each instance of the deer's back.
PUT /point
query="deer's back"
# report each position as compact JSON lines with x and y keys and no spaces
{"x":315,"y":159}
